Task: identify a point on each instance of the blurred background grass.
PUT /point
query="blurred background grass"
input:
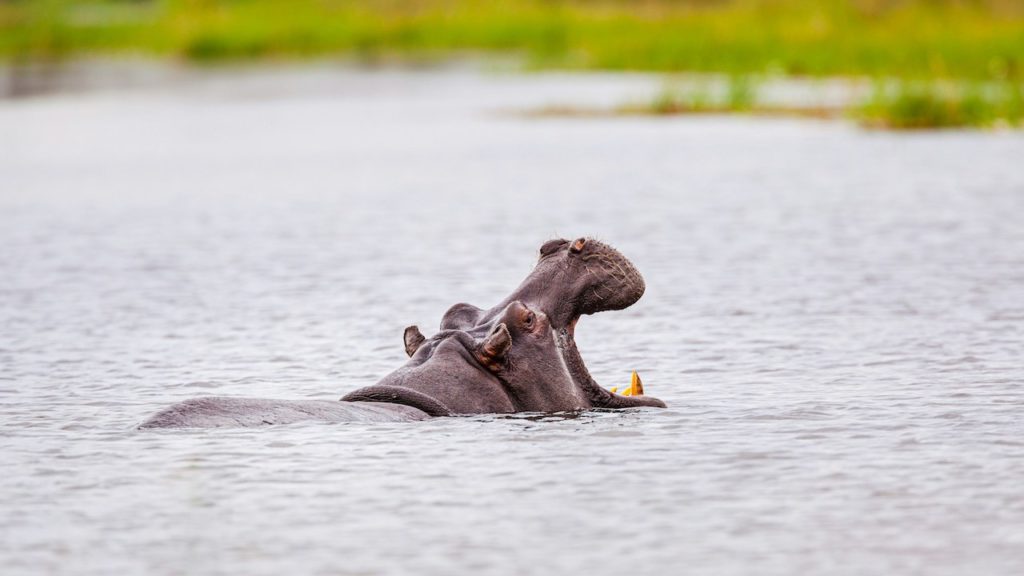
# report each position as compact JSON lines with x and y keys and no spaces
{"x":972,"y":42}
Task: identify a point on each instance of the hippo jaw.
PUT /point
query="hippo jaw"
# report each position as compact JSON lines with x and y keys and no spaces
{"x":584,"y":276}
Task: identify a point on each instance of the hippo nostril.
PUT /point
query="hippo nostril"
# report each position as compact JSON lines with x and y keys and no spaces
{"x":578,"y":245}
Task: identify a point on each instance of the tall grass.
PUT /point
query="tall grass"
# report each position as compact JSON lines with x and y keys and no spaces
{"x":919,"y":105}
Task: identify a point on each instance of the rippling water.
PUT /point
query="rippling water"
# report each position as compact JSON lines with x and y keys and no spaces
{"x":836,"y":318}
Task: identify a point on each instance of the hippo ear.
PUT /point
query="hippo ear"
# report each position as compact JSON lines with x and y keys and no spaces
{"x":496,"y":345}
{"x":413,"y":338}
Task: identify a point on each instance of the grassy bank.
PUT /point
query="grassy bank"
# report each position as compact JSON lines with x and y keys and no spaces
{"x":937,"y":62}
{"x":979,"y":39}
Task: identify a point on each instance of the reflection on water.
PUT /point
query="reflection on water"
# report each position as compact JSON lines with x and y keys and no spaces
{"x":834,"y":316}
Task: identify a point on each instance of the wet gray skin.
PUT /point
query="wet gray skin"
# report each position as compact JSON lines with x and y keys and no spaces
{"x":533,"y":372}
{"x":447,"y":375}
{"x":516,"y":366}
{"x":519,"y":356}
{"x":221,"y":412}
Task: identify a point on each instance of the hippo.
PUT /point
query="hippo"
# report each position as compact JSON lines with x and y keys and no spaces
{"x":518,"y":356}
{"x":515,"y":367}
{"x":570,"y":280}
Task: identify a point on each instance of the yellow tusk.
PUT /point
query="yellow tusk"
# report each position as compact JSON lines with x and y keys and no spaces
{"x":636,"y":386}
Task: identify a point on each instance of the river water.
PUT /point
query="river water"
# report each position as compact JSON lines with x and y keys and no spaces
{"x":835,"y":317}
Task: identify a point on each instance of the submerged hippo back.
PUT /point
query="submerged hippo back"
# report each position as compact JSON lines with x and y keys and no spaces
{"x":220,"y":412}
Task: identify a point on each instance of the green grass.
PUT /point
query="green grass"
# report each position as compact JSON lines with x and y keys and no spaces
{"x":740,"y":95}
{"x":954,"y":62}
{"x":918,"y":105}
{"x":978,"y":39}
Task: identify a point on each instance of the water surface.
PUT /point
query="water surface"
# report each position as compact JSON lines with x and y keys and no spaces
{"x":835,"y":317}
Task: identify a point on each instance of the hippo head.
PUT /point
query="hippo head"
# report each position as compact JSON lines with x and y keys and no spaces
{"x":571,"y":279}
{"x":515,"y":366}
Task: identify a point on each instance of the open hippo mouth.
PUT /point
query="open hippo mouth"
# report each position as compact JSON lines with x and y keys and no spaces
{"x":571,"y":279}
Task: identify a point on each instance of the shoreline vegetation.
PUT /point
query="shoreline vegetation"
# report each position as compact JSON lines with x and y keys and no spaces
{"x":893,"y":105}
{"x":934,"y":63}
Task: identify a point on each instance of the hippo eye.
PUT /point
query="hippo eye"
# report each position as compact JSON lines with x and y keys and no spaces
{"x":528,"y":321}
